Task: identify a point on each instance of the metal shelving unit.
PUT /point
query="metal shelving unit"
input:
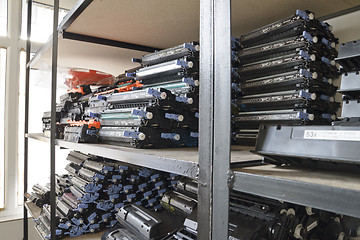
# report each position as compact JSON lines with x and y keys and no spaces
{"x":86,"y":33}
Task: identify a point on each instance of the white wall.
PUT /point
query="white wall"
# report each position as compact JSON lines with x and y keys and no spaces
{"x":346,"y":27}
{"x":13,"y":230}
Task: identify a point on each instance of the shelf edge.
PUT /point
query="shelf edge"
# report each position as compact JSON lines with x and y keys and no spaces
{"x":177,"y":166}
{"x":333,"y":199}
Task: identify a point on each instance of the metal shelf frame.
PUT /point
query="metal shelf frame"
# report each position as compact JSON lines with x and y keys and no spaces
{"x":247,"y":174}
{"x":213,"y":164}
{"x":329,"y":198}
{"x":213,"y":167}
{"x":156,"y":160}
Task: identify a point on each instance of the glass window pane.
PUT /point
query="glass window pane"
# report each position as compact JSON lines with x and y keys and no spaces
{"x":42,"y":21}
{"x":3,"y":17}
{"x":2,"y":114}
{"x":39,"y":101}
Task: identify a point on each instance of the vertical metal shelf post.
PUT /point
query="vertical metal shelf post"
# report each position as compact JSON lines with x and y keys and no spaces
{"x":26,"y":127}
{"x":53,"y":119}
{"x":215,"y":117}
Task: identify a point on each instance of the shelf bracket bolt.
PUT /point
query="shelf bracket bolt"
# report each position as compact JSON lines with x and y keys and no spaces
{"x":231,"y":178}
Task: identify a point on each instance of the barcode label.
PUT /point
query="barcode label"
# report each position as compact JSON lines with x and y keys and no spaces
{"x":332,"y":135}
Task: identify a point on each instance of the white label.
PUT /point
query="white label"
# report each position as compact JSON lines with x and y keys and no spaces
{"x":311,"y":226}
{"x":332,"y":135}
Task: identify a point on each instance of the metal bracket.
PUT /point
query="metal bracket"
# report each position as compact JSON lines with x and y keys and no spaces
{"x":231,"y":178}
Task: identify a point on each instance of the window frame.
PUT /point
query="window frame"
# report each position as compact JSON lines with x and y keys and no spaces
{"x":3,"y":58}
{"x":13,"y":44}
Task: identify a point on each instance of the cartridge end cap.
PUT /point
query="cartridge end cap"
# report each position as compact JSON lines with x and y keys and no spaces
{"x":315,"y":75}
{"x":163,"y":95}
{"x":309,"y":211}
{"x":149,"y":115}
{"x":341,"y":236}
{"x":311,"y":16}
{"x":315,"y":39}
{"x":299,"y":231}
{"x":177,"y":137}
{"x":313,"y":96}
{"x":142,"y":136}
{"x":290,"y":211}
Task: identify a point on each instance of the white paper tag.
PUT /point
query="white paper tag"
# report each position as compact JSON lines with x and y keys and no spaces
{"x":332,"y":135}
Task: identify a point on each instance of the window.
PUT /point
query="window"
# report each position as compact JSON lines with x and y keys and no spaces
{"x":2,"y":114}
{"x":42,"y":21}
{"x":38,"y":164}
{"x":3,"y":17}
{"x":41,"y":29}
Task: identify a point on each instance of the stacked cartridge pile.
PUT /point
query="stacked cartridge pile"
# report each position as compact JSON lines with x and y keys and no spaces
{"x":77,"y":116}
{"x":164,"y":112}
{"x":95,"y":189}
{"x":156,"y":225}
{"x":279,"y":146}
{"x":254,"y":217}
{"x":145,"y":118}
{"x":349,"y":59}
{"x":152,"y":106}
{"x":40,"y":195}
{"x":72,"y":123}
{"x":286,"y":75}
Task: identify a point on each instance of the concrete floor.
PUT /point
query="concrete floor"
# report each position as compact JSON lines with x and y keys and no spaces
{"x":13,"y":230}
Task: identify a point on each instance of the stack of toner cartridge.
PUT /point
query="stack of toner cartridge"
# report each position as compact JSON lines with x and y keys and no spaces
{"x":95,"y":189}
{"x":40,"y":195}
{"x":73,"y":122}
{"x":137,"y":222}
{"x":254,"y":217}
{"x":152,"y":106}
{"x":164,"y":113}
{"x":286,"y":73}
{"x":308,"y":146}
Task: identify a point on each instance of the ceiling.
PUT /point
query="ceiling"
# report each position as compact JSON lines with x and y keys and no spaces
{"x":78,"y":54}
{"x":162,"y":24}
